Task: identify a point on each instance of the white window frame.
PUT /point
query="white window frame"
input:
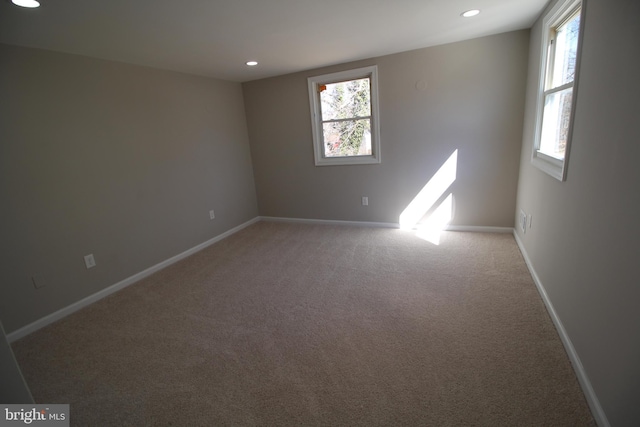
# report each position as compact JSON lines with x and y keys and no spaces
{"x":555,"y":167}
{"x":316,"y":117}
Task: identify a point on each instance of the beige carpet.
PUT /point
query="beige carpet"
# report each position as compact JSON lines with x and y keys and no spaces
{"x":291,"y":324}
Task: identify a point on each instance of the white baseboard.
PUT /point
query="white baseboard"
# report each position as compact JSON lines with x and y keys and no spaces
{"x":590,"y":395}
{"x":596,"y":409}
{"x":78,"y":305}
{"x":47,"y":320}
{"x":471,"y":228}
{"x":479,"y":229}
{"x":331,"y":222}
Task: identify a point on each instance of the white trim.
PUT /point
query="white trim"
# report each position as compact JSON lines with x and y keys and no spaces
{"x":314,"y":105}
{"x":467,"y":228}
{"x":548,"y":158}
{"x":548,"y":167}
{"x":330,"y":222}
{"x":479,"y":229}
{"x":78,"y":305}
{"x":583,"y":379}
{"x":551,"y":18}
{"x":557,"y":89}
{"x":64,"y":312}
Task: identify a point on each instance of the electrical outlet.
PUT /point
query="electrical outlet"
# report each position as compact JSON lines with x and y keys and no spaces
{"x":89,"y":261}
{"x":212,"y":215}
{"x":530,"y":220}
{"x":523,"y":221}
{"x":365,"y":201}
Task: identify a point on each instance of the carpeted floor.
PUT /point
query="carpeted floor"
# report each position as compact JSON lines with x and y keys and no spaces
{"x":295,"y":324}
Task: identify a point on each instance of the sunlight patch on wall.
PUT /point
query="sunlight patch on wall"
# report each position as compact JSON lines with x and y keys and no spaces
{"x":437,"y":221}
{"x":425,"y":201}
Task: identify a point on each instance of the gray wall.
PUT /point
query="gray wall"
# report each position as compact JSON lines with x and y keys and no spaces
{"x":116,"y":160}
{"x":585,"y":236}
{"x":13,"y":388}
{"x":474,"y":102}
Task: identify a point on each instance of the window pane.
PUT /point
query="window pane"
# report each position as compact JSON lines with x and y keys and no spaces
{"x":345,"y":100}
{"x":555,"y":123}
{"x":348,"y":138}
{"x":564,"y":61}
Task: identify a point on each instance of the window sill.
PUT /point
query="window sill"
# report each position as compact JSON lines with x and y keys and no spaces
{"x":549,"y":165}
{"x":343,"y":161}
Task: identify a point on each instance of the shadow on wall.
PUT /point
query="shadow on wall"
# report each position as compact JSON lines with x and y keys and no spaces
{"x":431,"y":209}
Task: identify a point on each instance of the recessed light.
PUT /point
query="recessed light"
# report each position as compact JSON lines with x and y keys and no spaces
{"x":26,"y":3}
{"x":252,"y":63}
{"x":470,"y":13}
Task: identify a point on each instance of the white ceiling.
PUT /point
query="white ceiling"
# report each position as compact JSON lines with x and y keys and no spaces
{"x":216,"y":37}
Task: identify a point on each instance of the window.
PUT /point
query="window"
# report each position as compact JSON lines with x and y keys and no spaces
{"x":557,"y":90}
{"x":344,"y":117}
